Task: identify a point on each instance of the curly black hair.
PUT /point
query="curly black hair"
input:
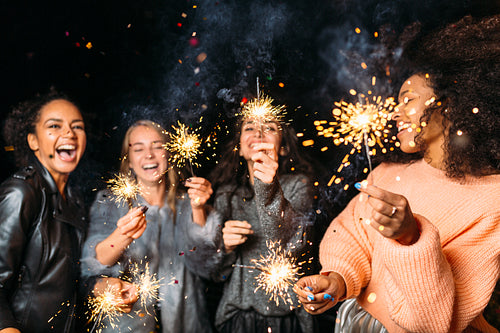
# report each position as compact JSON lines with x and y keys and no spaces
{"x":461,"y":62}
{"x":233,"y":170}
{"x":22,"y":120}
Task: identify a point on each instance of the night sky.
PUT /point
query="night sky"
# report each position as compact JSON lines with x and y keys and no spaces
{"x":185,"y":60}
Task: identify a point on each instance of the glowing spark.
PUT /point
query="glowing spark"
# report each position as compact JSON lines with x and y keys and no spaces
{"x":105,"y":306}
{"x":125,"y":189}
{"x":278,"y":271}
{"x":262,"y":109}
{"x":183,"y":146}
{"x":360,"y":124}
{"x":147,"y":284}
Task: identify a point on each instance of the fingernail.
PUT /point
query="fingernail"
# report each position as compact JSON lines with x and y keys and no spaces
{"x":310,"y":297}
{"x":327,"y":296}
{"x":357,"y":185}
{"x":144,"y":209}
{"x":309,"y":288}
{"x":188,"y":180}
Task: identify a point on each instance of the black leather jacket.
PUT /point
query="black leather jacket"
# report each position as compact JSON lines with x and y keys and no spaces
{"x":40,"y":241}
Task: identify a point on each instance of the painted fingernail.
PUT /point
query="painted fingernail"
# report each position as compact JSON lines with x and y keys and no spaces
{"x":309,"y":288}
{"x":310,"y":297}
{"x":327,"y":296}
{"x":144,"y":209}
{"x":188,"y":180}
{"x":357,"y":185}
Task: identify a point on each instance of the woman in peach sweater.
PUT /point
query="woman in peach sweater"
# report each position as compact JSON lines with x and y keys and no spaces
{"x":418,"y":250}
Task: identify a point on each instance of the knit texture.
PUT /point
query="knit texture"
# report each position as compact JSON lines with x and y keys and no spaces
{"x":441,"y":283}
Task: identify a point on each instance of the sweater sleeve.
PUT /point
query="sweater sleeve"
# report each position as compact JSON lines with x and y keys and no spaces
{"x":347,"y":250}
{"x":285,"y":211}
{"x":425,"y":294}
{"x":103,"y":217}
{"x":202,"y":255}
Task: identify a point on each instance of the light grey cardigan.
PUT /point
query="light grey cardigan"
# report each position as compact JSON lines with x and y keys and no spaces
{"x":170,"y":251}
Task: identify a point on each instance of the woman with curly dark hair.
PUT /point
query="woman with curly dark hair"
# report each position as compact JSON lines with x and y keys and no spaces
{"x":42,"y":221}
{"x":418,"y":249}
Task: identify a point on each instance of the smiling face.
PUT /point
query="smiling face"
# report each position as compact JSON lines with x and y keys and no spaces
{"x":414,"y":97}
{"x":251,"y":133}
{"x":59,"y":139}
{"x":146,"y":155}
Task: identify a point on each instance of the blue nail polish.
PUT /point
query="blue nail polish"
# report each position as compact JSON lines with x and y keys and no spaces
{"x":310,"y":297}
{"x":357,"y":185}
{"x":309,"y":288}
{"x":327,"y":296}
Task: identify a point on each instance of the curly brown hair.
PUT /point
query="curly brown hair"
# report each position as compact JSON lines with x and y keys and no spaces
{"x":462,"y":63}
{"x":22,"y":120}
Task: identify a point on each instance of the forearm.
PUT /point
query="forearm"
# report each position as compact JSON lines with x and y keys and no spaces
{"x":199,"y":216}
{"x":110,"y":250}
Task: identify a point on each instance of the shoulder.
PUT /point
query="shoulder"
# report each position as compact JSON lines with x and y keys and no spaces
{"x":22,"y":184}
{"x":294,"y":181}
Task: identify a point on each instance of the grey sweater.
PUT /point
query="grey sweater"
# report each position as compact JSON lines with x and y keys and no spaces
{"x":168,"y":249}
{"x":278,"y":211}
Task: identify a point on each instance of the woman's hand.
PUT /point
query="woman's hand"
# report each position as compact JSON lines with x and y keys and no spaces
{"x":133,"y":223}
{"x":319,"y":293}
{"x":235,"y":233}
{"x":265,"y":162}
{"x":391,"y":215}
{"x":124,"y":293}
{"x":199,"y":191}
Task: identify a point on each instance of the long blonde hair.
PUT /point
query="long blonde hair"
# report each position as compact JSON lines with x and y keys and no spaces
{"x":172,"y":179}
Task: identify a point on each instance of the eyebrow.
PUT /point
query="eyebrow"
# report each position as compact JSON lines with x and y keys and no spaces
{"x":142,"y":143}
{"x":60,"y":120}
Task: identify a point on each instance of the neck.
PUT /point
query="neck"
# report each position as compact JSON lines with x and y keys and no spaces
{"x":154,"y":193}
{"x":434,"y":155}
{"x":61,"y":180}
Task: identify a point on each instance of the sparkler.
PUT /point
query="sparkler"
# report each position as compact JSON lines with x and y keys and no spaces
{"x":105,"y":306}
{"x":125,"y":189}
{"x":360,"y":124}
{"x":183,"y":146}
{"x":262,"y":110}
{"x":147,"y":284}
{"x":278,"y":271}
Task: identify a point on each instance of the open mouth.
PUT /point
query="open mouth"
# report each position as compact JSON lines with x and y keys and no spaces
{"x":403,"y":126}
{"x":66,"y":152}
{"x":151,"y":166}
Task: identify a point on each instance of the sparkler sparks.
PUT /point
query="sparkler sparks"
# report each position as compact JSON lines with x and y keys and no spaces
{"x":360,"y":124}
{"x":105,"y":307}
{"x":147,"y":284}
{"x":183,"y":146}
{"x":262,"y":109}
{"x":125,"y":189}
{"x":278,"y":271}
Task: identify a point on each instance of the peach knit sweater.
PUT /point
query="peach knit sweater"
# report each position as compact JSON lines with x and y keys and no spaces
{"x":441,"y":283}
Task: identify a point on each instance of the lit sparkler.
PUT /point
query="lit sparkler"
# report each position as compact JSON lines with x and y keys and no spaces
{"x":105,"y":307}
{"x":125,"y":189}
{"x":262,"y":109}
{"x":278,"y":271}
{"x":360,"y":124}
{"x":183,"y":146}
{"x":147,"y":284}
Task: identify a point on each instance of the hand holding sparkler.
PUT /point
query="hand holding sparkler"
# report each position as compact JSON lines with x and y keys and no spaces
{"x":391,"y":215}
{"x":265,"y":164}
{"x":235,"y":233}
{"x":319,"y":293}
{"x":129,"y":227}
{"x":112,"y":297}
{"x":199,"y":191}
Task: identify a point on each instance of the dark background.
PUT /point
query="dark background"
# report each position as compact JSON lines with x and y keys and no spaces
{"x":142,"y":63}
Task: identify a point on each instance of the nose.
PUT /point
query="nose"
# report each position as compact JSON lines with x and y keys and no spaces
{"x":69,"y":132}
{"x":398,"y":112}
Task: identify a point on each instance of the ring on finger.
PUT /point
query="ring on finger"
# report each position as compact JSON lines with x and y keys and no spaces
{"x":394,"y":210}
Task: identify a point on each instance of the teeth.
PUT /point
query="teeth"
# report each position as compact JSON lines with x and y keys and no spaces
{"x":149,"y":166}
{"x":402,"y":127}
{"x":66,"y":147}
